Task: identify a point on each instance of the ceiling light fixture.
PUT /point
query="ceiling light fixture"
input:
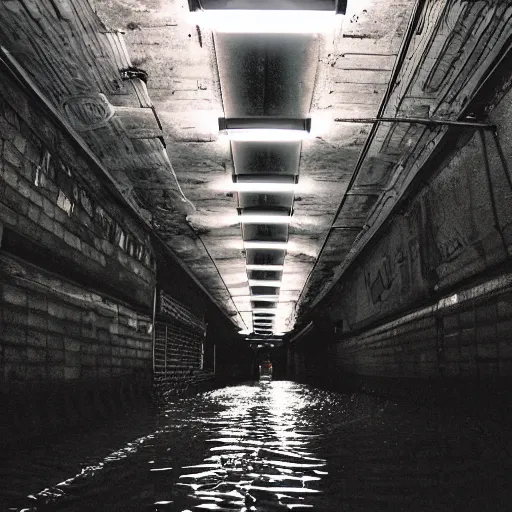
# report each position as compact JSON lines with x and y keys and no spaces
{"x":268,"y":311}
{"x":274,"y":268}
{"x":265,"y":298}
{"x":266,"y":135}
{"x":263,"y":187}
{"x":274,"y":129}
{"x":266,"y":245}
{"x":265,"y":282}
{"x":267,"y":21}
{"x":264,"y":218}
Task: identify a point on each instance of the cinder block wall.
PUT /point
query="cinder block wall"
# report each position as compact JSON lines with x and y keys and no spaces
{"x":430,"y":298}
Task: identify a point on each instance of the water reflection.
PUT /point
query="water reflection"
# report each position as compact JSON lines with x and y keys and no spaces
{"x":269,"y":447}
{"x":260,"y":455}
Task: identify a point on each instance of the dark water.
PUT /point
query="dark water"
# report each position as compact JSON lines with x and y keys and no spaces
{"x":270,"y":447}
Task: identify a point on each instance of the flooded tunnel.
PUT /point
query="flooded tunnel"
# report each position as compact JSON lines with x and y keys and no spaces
{"x":255,"y":255}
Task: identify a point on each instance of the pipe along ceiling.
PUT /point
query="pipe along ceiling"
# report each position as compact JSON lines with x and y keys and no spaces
{"x":267,"y":56}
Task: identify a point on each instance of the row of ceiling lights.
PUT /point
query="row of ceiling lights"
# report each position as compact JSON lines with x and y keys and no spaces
{"x":313,"y":18}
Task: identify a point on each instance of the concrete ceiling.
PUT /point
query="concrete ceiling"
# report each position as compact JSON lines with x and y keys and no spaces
{"x":161,"y":140}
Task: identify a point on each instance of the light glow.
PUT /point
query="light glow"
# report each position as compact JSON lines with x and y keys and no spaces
{"x":265,"y":298}
{"x":266,"y":21}
{"x":275,"y":268}
{"x":265,"y":134}
{"x":265,"y":282}
{"x":271,"y":311}
{"x":266,"y":245}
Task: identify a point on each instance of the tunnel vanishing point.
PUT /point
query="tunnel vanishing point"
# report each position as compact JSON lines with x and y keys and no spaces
{"x":187,"y":189}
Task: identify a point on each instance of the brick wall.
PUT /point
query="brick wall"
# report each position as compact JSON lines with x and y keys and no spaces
{"x":68,"y":355}
{"x":461,"y":338}
{"x":77,"y":278}
{"x":54,"y":329}
{"x":58,"y":212}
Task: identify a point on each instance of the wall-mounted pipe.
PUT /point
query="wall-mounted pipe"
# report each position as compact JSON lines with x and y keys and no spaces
{"x":417,"y":120}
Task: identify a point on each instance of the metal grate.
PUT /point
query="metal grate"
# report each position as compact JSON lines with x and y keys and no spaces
{"x":171,"y":308}
{"x":177,"y":349}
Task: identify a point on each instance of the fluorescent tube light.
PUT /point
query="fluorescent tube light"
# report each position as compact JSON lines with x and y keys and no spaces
{"x":266,"y":245}
{"x":265,"y":128}
{"x":265,"y":135}
{"x":271,"y":311}
{"x":275,"y":268}
{"x":264,"y":218}
{"x":266,"y":21}
{"x":263,"y":187}
{"x":265,"y":282}
{"x":265,"y":298}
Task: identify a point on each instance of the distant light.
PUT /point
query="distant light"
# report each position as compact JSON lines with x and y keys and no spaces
{"x":266,"y":21}
{"x":275,"y":268}
{"x":265,"y":282}
{"x":266,"y":245}
{"x":255,"y":218}
{"x":271,"y":311}
{"x":265,"y":298}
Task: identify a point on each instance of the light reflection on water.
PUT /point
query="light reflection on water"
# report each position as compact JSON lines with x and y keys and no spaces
{"x":268,"y":447}
{"x":260,"y":456}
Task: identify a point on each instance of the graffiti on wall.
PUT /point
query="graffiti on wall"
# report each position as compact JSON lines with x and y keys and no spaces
{"x":72,"y":194}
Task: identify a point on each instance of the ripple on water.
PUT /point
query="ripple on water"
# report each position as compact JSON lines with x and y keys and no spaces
{"x":270,"y":447}
{"x":263,"y":460}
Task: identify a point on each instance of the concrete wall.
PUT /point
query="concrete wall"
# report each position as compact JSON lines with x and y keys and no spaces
{"x":453,"y":234}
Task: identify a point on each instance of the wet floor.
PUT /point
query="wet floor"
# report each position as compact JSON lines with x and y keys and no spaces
{"x":269,"y":447}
